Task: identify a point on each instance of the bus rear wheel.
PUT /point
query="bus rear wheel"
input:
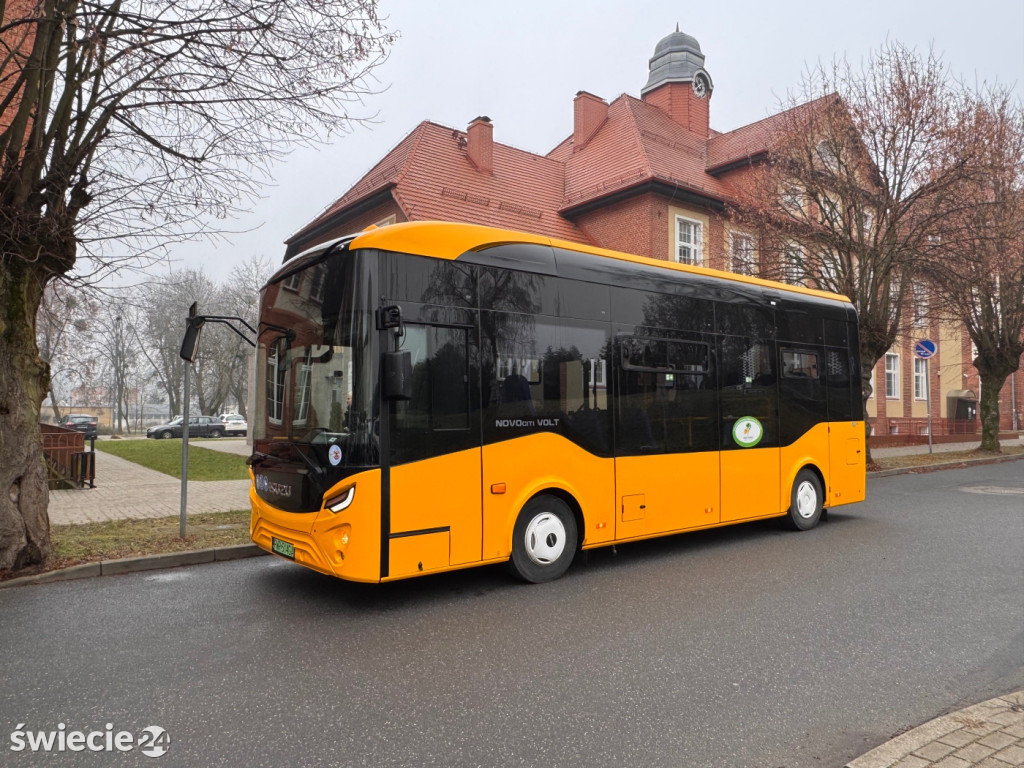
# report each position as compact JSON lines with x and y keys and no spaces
{"x":805,"y":502}
{"x":544,"y":540}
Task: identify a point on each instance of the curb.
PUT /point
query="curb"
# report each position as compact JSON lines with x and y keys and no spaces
{"x":974,"y":722}
{"x":237,"y":552}
{"x":136,"y":564}
{"x":947,"y":465}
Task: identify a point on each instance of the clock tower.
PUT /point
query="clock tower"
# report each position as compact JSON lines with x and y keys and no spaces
{"x":678,"y":83}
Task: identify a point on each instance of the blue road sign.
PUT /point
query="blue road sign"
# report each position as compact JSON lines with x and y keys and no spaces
{"x":924,"y":349}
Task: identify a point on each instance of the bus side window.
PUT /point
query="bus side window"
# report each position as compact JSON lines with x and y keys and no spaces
{"x":437,"y":417}
{"x":667,"y":401}
{"x":748,"y":380}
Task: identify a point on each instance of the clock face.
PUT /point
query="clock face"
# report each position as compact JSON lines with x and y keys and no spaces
{"x":700,"y":87}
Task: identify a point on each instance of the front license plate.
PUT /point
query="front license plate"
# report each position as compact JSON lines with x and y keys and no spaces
{"x":282,"y":548}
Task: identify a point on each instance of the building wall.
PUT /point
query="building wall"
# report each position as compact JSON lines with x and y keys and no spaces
{"x":628,"y":226}
{"x":386,"y":213}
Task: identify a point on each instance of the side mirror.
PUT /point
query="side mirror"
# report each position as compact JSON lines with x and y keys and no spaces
{"x":190,"y":344}
{"x":397,"y":376}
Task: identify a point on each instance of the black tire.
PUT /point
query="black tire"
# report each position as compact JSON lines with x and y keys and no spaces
{"x":544,"y":540}
{"x":805,"y":502}
{"x":165,"y":434}
{"x":216,"y":433}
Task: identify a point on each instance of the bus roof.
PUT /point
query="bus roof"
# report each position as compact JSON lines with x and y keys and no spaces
{"x":449,"y":240}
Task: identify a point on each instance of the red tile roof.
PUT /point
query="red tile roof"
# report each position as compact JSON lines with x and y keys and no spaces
{"x":430,"y":176}
{"x":638,"y":143}
{"x":750,"y":141}
{"x":432,"y":179}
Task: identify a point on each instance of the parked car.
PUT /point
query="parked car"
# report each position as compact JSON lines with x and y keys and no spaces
{"x":82,"y":423}
{"x":234,"y":424}
{"x":198,"y":426}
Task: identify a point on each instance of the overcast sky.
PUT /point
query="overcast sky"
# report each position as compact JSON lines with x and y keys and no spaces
{"x":522,"y":62}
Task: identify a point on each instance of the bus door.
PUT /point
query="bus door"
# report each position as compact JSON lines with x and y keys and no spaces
{"x":434,"y":450}
{"x":748,"y":430}
{"x":666,"y":464}
{"x":547,"y":425}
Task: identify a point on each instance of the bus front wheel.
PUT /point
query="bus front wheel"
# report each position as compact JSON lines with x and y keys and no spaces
{"x":805,"y":502}
{"x":544,"y":540}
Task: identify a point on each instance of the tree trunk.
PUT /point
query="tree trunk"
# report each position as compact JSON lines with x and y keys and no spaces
{"x":24,"y":524}
{"x":988,"y":410}
{"x":865,"y":394}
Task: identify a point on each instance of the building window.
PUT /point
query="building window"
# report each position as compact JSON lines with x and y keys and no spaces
{"x":828,"y":155}
{"x":793,"y":200}
{"x":303,"y":391}
{"x":828,"y":280}
{"x":920,"y":305}
{"x":867,"y":225}
{"x":689,"y":242}
{"x":920,"y":379}
{"x":793,"y":265}
{"x":741,"y":247}
{"x":319,"y":280}
{"x":892,"y":376}
{"x":293,"y":282}
{"x":275,"y":387}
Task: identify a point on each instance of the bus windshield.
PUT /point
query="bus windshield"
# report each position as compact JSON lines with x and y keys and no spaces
{"x":315,"y":401}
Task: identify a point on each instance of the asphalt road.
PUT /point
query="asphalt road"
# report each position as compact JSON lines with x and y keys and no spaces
{"x":747,"y":646}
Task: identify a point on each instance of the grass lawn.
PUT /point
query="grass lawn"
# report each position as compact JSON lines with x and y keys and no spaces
{"x":95,"y":542}
{"x":165,"y":456}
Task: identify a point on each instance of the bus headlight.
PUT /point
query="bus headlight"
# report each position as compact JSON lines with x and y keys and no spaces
{"x":341,"y":501}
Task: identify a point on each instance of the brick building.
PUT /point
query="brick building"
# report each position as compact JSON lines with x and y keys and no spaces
{"x":642,"y":175}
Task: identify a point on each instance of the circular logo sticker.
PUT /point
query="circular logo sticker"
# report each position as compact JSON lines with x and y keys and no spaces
{"x":747,"y":432}
{"x":334,"y":454}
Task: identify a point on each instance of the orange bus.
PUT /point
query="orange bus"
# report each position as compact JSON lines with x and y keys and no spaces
{"x":433,"y":396}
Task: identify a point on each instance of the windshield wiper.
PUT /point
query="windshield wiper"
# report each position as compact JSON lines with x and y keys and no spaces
{"x":316,"y":469}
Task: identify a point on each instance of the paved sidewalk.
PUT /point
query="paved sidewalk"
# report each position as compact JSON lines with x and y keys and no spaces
{"x":987,"y":735}
{"x":912,"y":450}
{"x":125,"y":491}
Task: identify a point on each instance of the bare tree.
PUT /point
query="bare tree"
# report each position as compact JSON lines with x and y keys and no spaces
{"x":63,"y":331}
{"x":166,"y":306}
{"x":860,"y":175}
{"x":126,"y":125}
{"x":977,"y":261}
{"x":241,"y":295}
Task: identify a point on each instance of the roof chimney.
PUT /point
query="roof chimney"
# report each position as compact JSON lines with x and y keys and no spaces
{"x":589,"y":114}
{"x":481,"y":144}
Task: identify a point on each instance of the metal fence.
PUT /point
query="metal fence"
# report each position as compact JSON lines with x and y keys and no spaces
{"x":69,"y":465}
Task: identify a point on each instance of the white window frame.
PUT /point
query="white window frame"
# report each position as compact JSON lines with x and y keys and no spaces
{"x":742,"y":253}
{"x":892,"y":393}
{"x":920,"y":294}
{"x":793,"y":264}
{"x":275,"y":389}
{"x":293,"y":282}
{"x":303,"y":392}
{"x":867,"y":224}
{"x":318,"y":284}
{"x":920,"y":379}
{"x":829,"y":277}
{"x":792,"y":199}
{"x":690,"y":251}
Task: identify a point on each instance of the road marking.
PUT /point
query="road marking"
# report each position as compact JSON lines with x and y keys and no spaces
{"x":994,"y":490}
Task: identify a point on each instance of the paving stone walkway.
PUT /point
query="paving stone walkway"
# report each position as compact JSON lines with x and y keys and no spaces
{"x":125,"y":490}
{"x":987,"y":735}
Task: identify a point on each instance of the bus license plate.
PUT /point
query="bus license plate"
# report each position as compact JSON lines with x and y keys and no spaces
{"x":282,"y":548}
